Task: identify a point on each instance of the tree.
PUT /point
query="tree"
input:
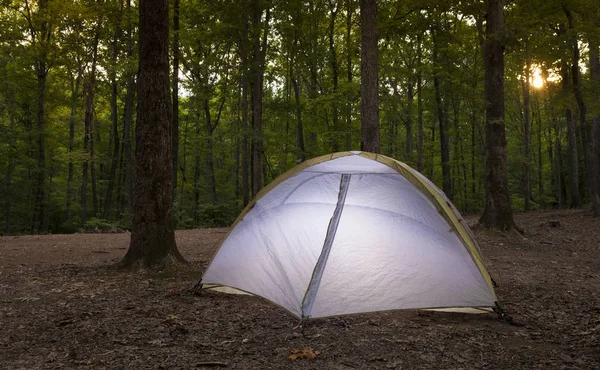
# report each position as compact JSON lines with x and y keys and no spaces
{"x":497,"y":213}
{"x":369,"y":83}
{"x":153,"y":236}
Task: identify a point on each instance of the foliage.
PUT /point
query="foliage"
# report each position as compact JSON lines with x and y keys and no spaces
{"x":310,"y":101}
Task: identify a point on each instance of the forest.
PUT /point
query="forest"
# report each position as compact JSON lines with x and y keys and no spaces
{"x":259,"y":86}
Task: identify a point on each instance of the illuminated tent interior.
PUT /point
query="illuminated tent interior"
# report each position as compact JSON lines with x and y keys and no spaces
{"x":353,"y":232}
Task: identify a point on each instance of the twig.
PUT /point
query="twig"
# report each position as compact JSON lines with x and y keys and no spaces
{"x":212,"y":363}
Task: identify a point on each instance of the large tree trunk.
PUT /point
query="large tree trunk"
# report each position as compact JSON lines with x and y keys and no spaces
{"x":175,"y":123}
{"x":369,"y":80}
{"x":498,"y":211}
{"x":153,"y":235}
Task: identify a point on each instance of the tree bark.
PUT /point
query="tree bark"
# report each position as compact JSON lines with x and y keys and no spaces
{"x":572,"y":143}
{"x":175,"y":123}
{"x":527,"y":131}
{"x":595,"y":77}
{"x":419,"y":105}
{"x":333,"y":9}
{"x":349,"y":11}
{"x":153,"y":235}
{"x":369,"y":80}
{"x":114,"y":120}
{"x":497,"y":213}
{"x":442,"y":116}
{"x":245,"y":160}
{"x":88,"y":135}
{"x":41,"y":36}
{"x":128,"y":120}
{"x":258,"y":69}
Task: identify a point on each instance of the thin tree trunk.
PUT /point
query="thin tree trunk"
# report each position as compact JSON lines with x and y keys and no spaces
{"x":115,"y":122}
{"x":41,"y":69}
{"x":349,"y":11}
{"x":128,"y":120}
{"x":498,"y":210}
{"x":572,"y":141}
{"x":443,"y":123}
{"x":196,"y":209}
{"x":419,"y":105}
{"x":369,"y":80}
{"x":527,"y":131}
{"x":175,"y":97}
{"x":298,"y":110}
{"x":258,"y":68}
{"x":595,"y":140}
{"x":333,"y":8}
{"x":245,"y":159}
{"x":410,"y":97}
{"x":75,"y":82}
{"x":210,"y":167}
{"x":88,"y":143}
{"x":583,"y":124}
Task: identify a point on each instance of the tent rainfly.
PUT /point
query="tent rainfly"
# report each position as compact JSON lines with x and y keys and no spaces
{"x":353,"y":232}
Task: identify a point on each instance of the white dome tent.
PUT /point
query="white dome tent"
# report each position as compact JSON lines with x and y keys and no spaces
{"x":353,"y":232}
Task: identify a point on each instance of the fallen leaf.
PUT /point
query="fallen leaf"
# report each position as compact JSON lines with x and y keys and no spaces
{"x":174,"y":292}
{"x":305,"y":352}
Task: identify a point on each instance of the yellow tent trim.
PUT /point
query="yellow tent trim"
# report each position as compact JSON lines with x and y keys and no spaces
{"x":446,"y":209}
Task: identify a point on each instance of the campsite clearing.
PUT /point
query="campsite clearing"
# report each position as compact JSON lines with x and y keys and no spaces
{"x":63,"y":306}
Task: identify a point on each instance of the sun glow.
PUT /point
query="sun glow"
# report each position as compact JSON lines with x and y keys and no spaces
{"x":537,"y":81}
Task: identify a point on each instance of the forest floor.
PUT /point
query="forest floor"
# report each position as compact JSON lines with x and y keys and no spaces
{"x":64,"y":306}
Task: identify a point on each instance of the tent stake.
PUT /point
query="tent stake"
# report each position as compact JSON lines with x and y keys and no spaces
{"x":503,"y":315}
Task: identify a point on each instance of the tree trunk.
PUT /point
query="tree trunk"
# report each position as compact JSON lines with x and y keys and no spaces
{"x":41,"y":69}
{"x":527,"y":138}
{"x":115,"y":122}
{"x":75,"y":82}
{"x":333,"y":8}
{"x":572,"y":141}
{"x":442,"y":116}
{"x":175,"y":123}
{"x":128,"y":119}
{"x":349,"y":11}
{"x":258,"y":68}
{"x":583,"y":124}
{"x":369,"y":80}
{"x":196,"y":209}
{"x":410,"y":98}
{"x":595,"y":77}
{"x":210,"y":167}
{"x":153,"y":235}
{"x":245,"y":159}
{"x":299,"y":126}
{"x":419,"y":105}
{"x":497,"y":213}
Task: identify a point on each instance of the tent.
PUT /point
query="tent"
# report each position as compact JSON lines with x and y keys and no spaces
{"x":353,"y":232}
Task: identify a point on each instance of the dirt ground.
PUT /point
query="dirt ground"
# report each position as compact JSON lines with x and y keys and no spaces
{"x":64,"y":306}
